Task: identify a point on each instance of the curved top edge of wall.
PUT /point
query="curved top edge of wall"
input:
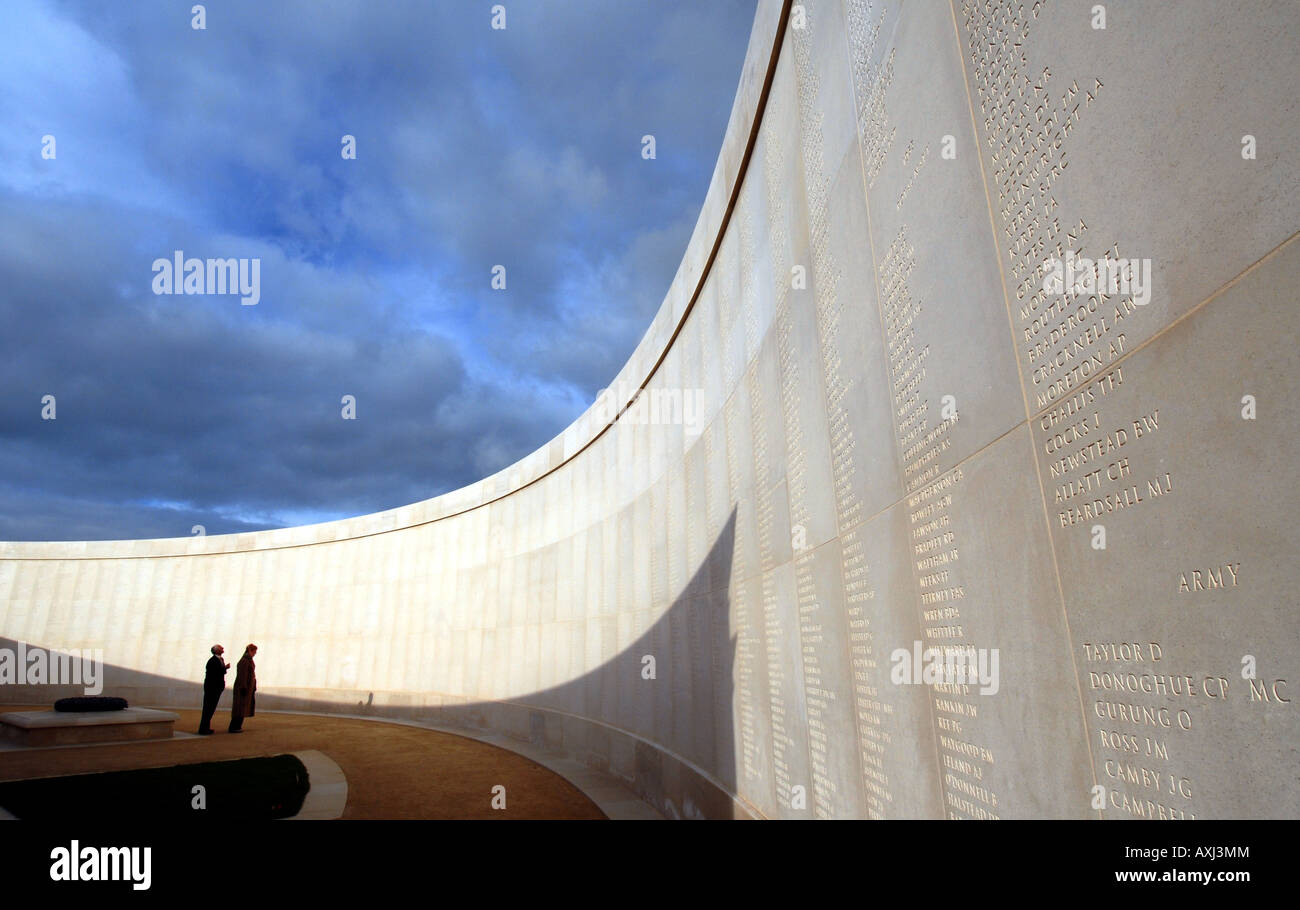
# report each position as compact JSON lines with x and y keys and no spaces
{"x":766,"y":36}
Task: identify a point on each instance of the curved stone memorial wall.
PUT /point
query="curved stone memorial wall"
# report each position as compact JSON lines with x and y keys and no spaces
{"x":893,"y":411}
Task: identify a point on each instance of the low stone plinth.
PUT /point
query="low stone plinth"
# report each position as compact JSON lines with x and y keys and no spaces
{"x":70,"y":728}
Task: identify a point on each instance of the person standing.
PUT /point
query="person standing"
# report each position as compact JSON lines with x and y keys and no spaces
{"x":214,"y":683}
{"x":243,"y":702}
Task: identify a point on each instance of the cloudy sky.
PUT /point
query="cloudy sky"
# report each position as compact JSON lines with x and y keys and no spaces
{"x":474,"y":147}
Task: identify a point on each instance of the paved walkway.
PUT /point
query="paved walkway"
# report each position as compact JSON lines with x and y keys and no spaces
{"x":392,"y":770}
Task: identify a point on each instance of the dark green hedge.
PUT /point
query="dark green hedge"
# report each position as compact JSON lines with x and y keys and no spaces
{"x":91,"y":703}
{"x":247,"y":788}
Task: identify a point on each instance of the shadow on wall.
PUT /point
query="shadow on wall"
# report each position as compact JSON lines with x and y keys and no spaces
{"x":659,"y":714}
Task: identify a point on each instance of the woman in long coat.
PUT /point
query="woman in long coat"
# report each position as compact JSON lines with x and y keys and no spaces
{"x":245,"y":689}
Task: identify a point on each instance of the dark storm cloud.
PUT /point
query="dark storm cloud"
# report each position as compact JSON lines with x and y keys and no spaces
{"x":475,"y":148}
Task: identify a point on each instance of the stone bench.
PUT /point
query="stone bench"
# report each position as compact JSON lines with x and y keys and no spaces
{"x":68,"y":728}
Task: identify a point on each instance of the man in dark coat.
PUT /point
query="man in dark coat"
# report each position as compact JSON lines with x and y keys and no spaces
{"x":214,"y":683}
{"x":243,"y":702}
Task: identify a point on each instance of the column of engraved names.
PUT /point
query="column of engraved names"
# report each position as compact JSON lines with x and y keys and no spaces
{"x":816,"y":695}
{"x":746,"y":641}
{"x":1028,"y":115}
{"x":773,"y":634}
{"x":776,"y":183}
{"x":838,"y":384}
{"x":870,"y":85}
{"x":1139,"y":707}
{"x":1066,"y":341}
{"x":965,"y":762}
{"x":1101,"y":467}
{"x":694,"y":617}
{"x":721,"y":660}
{"x":677,"y":582}
{"x":660,"y":581}
{"x":874,"y":739}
